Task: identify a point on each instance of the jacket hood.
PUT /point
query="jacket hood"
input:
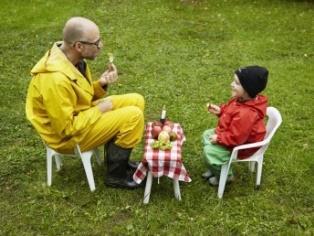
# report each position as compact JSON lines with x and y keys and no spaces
{"x":259,"y":103}
{"x":55,"y":61}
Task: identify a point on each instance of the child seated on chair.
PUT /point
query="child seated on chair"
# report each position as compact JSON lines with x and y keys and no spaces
{"x":241,"y":121}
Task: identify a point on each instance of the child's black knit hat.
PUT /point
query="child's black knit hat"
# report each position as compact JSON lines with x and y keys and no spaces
{"x":253,"y":79}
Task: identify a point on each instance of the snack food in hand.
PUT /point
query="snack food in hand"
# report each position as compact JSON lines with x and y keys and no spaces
{"x":208,"y":106}
{"x":111,"y":57}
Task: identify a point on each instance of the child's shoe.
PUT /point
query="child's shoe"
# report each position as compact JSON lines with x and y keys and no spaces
{"x":230,"y":179}
{"x":207,"y":174}
{"x":214,"y":181}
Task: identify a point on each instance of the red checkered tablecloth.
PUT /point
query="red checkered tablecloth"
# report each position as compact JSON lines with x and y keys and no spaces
{"x":159,"y":162}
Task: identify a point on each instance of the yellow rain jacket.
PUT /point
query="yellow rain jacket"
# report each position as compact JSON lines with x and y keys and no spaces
{"x":59,"y":100}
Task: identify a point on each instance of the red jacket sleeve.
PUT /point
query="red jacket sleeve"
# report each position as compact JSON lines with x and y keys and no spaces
{"x":239,"y":129}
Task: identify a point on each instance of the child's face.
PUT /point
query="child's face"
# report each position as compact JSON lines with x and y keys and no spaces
{"x":237,"y":89}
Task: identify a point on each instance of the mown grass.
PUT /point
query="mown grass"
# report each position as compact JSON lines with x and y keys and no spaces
{"x":181,"y":54}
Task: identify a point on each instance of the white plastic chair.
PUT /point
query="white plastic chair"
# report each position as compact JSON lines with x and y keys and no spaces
{"x":274,"y":121}
{"x":84,"y":156}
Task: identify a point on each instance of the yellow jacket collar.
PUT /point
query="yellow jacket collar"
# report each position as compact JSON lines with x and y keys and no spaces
{"x":55,"y":61}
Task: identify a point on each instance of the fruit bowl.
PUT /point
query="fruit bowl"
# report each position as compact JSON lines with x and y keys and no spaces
{"x":158,"y":127}
{"x":163,"y":135}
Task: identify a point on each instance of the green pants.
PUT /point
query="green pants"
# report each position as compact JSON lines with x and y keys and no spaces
{"x":215,"y":155}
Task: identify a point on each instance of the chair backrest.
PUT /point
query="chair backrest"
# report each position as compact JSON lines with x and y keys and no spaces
{"x":273,"y":123}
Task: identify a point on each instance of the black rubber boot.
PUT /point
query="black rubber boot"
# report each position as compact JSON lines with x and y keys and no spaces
{"x":132,"y":165}
{"x":117,"y":166}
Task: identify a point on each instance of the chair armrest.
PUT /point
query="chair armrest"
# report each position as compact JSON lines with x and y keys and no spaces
{"x":235,"y":150}
{"x":250,"y":145}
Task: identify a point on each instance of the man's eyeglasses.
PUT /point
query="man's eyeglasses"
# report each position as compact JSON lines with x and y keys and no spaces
{"x":97,"y":43}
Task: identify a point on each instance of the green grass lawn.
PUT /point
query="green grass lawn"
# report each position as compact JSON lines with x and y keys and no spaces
{"x":181,"y":54}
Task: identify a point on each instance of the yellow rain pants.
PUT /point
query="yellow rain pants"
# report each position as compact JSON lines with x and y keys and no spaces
{"x":125,"y":122}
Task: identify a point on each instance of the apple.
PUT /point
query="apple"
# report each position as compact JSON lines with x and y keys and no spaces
{"x":155,"y":131}
{"x":173,"y":136}
{"x":166,"y":128}
{"x":169,"y":123}
{"x":156,"y":123}
{"x":164,"y":136}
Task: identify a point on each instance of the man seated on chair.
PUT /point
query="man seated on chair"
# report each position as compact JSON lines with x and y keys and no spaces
{"x":67,"y":107}
{"x":241,"y":121}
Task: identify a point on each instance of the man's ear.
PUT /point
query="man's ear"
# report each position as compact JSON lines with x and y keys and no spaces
{"x":78,"y":46}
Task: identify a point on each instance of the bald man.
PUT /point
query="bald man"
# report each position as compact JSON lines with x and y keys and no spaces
{"x":67,"y":107}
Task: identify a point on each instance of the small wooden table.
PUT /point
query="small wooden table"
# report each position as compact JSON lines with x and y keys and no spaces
{"x":157,"y":163}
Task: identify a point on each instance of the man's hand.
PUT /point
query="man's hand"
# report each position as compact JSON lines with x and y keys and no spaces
{"x":214,"y":109}
{"x":105,"y":105}
{"x":109,"y":76}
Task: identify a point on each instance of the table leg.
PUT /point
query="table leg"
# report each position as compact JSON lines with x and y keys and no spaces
{"x":148,"y":187}
{"x":176,"y":188}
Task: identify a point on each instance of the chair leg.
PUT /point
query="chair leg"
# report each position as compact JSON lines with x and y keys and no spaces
{"x":49,"y":167}
{"x":259,"y":171}
{"x":148,"y":187}
{"x":176,"y":188}
{"x":223,"y":180}
{"x":86,"y":159}
{"x":252,"y":166}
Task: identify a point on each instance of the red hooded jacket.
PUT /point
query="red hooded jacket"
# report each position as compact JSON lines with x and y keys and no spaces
{"x":242,"y":123}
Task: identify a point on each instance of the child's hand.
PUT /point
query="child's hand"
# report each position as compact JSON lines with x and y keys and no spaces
{"x":213,"y":138}
{"x":214,"y":109}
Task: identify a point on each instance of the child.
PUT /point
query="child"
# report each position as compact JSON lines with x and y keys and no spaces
{"x":241,"y":121}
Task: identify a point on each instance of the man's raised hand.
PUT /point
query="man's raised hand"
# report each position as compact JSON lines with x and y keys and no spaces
{"x":109,"y":76}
